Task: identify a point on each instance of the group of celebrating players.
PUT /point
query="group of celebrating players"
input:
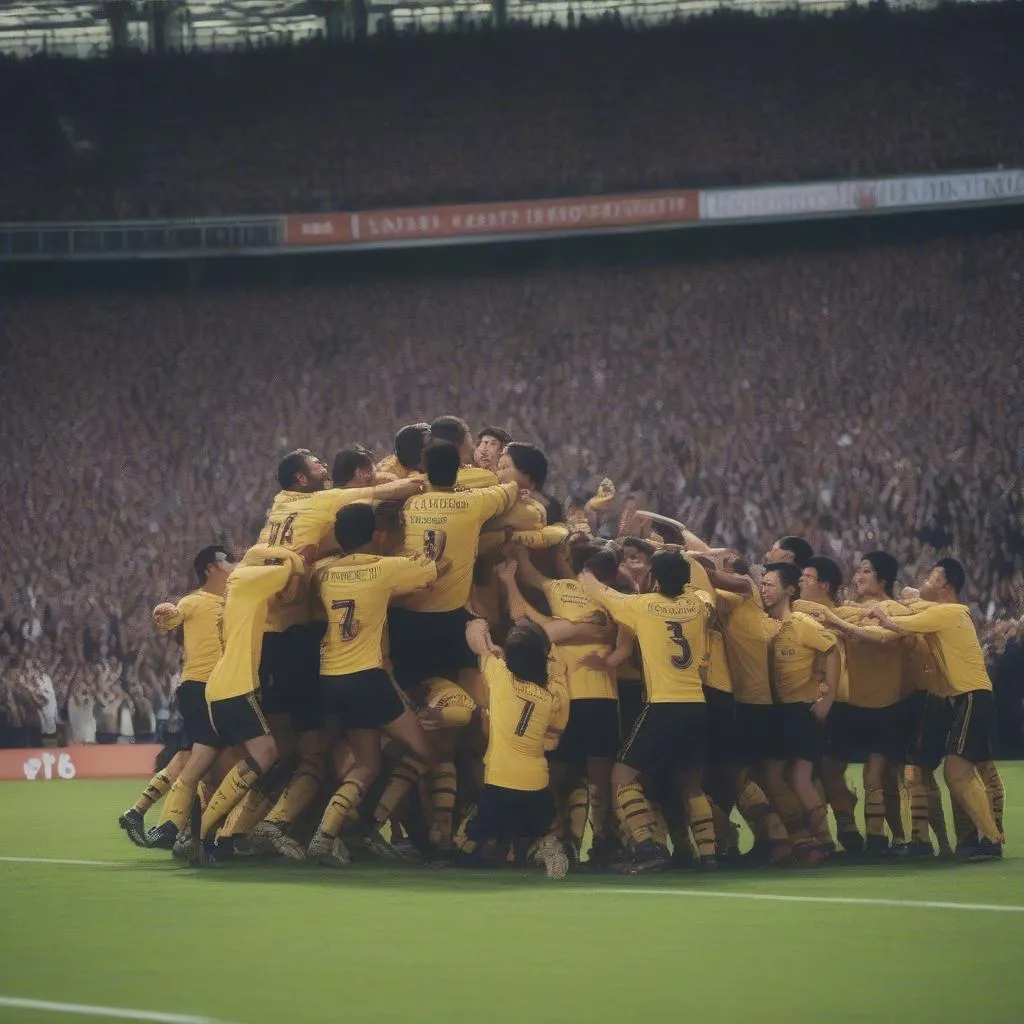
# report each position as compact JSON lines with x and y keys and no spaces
{"x":428,"y":659}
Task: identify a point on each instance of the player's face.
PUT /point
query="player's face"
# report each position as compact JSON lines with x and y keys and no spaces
{"x":316,"y":475}
{"x":635,"y":562}
{"x":487,"y":452}
{"x":772,"y":591}
{"x":866,"y":583}
{"x":222,"y":568}
{"x":507,"y":473}
{"x":811,"y":588}
{"x":777,"y":554}
{"x":933,"y":585}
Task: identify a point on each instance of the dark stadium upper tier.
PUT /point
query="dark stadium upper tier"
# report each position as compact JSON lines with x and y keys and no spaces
{"x":525,"y":113}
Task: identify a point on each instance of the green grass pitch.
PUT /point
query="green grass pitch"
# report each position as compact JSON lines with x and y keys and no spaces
{"x":251,"y":943}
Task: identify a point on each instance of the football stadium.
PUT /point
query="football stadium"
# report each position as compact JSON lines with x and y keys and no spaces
{"x":513,"y":511}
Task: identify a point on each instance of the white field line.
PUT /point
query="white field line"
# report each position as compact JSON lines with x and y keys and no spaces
{"x":109,"y":1012}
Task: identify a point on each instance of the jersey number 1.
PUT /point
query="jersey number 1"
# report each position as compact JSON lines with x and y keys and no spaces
{"x":282,"y":532}
{"x":524,"y":719}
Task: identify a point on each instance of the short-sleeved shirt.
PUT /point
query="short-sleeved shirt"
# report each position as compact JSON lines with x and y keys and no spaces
{"x":568,"y":601}
{"x":794,"y":653}
{"x":748,"y":633}
{"x":200,"y":614}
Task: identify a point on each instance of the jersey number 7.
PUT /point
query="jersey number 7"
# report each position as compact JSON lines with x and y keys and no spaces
{"x":348,"y":626}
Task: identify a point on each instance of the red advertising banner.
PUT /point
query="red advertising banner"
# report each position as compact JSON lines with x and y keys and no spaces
{"x":117,"y":761}
{"x":524,"y":217}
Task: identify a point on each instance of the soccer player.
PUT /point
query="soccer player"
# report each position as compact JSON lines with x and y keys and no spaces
{"x":490,"y":443}
{"x":456,"y":432}
{"x":302,"y":520}
{"x":408,"y":455}
{"x":355,"y":589}
{"x":265,"y":572}
{"x":794,"y":550}
{"x":820,"y":584}
{"x":876,"y":717}
{"x":427,"y":630}
{"x":671,"y":626}
{"x":525,"y":703}
{"x":199,"y":615}
{"x":353,"y":467}
{"x":636,"y":561}
{"x":804,"y":666}
{"x":947,"y":626}
{"x":591,"y":738}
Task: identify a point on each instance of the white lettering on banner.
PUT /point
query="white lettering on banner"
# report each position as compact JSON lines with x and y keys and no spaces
{"x":45,"y":764}
{"x":949,"y":189}
{"x":791,"y":201}
{"x":324,"y":227}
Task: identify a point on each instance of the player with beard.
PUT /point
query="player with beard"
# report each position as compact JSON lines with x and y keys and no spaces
{"x":490,"y":443}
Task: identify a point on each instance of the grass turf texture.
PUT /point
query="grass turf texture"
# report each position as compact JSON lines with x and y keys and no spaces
{"x":250,"y":943}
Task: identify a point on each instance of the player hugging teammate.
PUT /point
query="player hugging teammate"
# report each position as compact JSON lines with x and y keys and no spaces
{"x":420,"y":661}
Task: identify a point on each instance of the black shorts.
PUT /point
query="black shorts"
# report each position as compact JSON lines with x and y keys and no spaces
{"x":836,"y":741}
{"x":758,"y":732}
{"x":973,"y":726}
{"x":195,"y":714}
{"x":290,"y":675}
{"x":631,"y":703}
{"x":880,"y":731}
{"x":592,"y":731}
{"x":426,"y":644}
{"x":721,"y":725}
{"x":362,"y":700}
{"x":801,"y":732}
{"x":667,"y":735}
{"x":238,"y":720}
{"x":510,"y":814}
{"x":931,"y":718}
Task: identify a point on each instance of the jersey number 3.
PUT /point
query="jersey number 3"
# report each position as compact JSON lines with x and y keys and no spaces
{"x":684,"y":659}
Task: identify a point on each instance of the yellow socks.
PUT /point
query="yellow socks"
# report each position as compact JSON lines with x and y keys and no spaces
{"x":346,"y":799}
{"x":299,"y":793}
{"x":577,"y":807}
{"x":157,"y":787}
{"x":634,"y":813}
{"x":936,"y":813}
{"x":893,"y":796}
{"x":993,"y":783}
{"x":442,"y":787}
{"x":179,"y":803}
{"x":919,"y":810}
{"x":403,"y":777}
{"x":970,"y":792}
{"x":702,"y":824}
{"x":230,"y":793}
{"x":758,"y":814}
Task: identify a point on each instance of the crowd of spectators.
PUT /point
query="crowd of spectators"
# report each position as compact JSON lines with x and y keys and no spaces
{"x":401,"y":120}
{"x":863,"y":398}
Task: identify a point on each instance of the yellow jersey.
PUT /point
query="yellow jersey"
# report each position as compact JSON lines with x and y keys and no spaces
{"x":200,"y":614}
{"x":390,"y":464}
{"x":473,"y":478}
{"x":673,"y":637}
{"x":446,"y":524}
{"x":953,"y":640}
{"x":297,"y":521}
{"x":520,"y":716}
{"x":526,"y":515}
{"x":794,"y":652}
{"x":748,"y":633}
{"x":355,"y":591}
{"x":876,"y":670}
{"x":568,"y":601}
{"x":719,"y":677}
{"x":250,"y":587}
{"x":843,"y":689}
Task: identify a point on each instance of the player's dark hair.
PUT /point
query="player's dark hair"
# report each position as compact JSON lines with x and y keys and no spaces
{"x":409,"y":442}
{"x":501,"y":436}
{"x":671,"y":571}
{"x":829,"y":574}
{"x":530,"y":461}
{"x":348,"y":462}
{"x":581,"y":552}
{"x":526,"y":652}
{"x":801,"y":550}
{"x":954,"y":570}
{"x":207,"y":558}
{"x":556,"y":514}
{"x":354,"y":526}
{"x":441,"y":461}
{"x":604,"y":565}
{"x":789,"y":575}
{"x":641,"y":545}
{"x":741,"y":567}
{"x":886,"y":568}
{"x":290,"y":467}
{"x":449,"y":428}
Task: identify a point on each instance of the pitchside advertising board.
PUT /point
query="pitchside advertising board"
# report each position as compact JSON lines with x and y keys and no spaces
{"x":522,"y":220}
{"x":64,"y":764}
